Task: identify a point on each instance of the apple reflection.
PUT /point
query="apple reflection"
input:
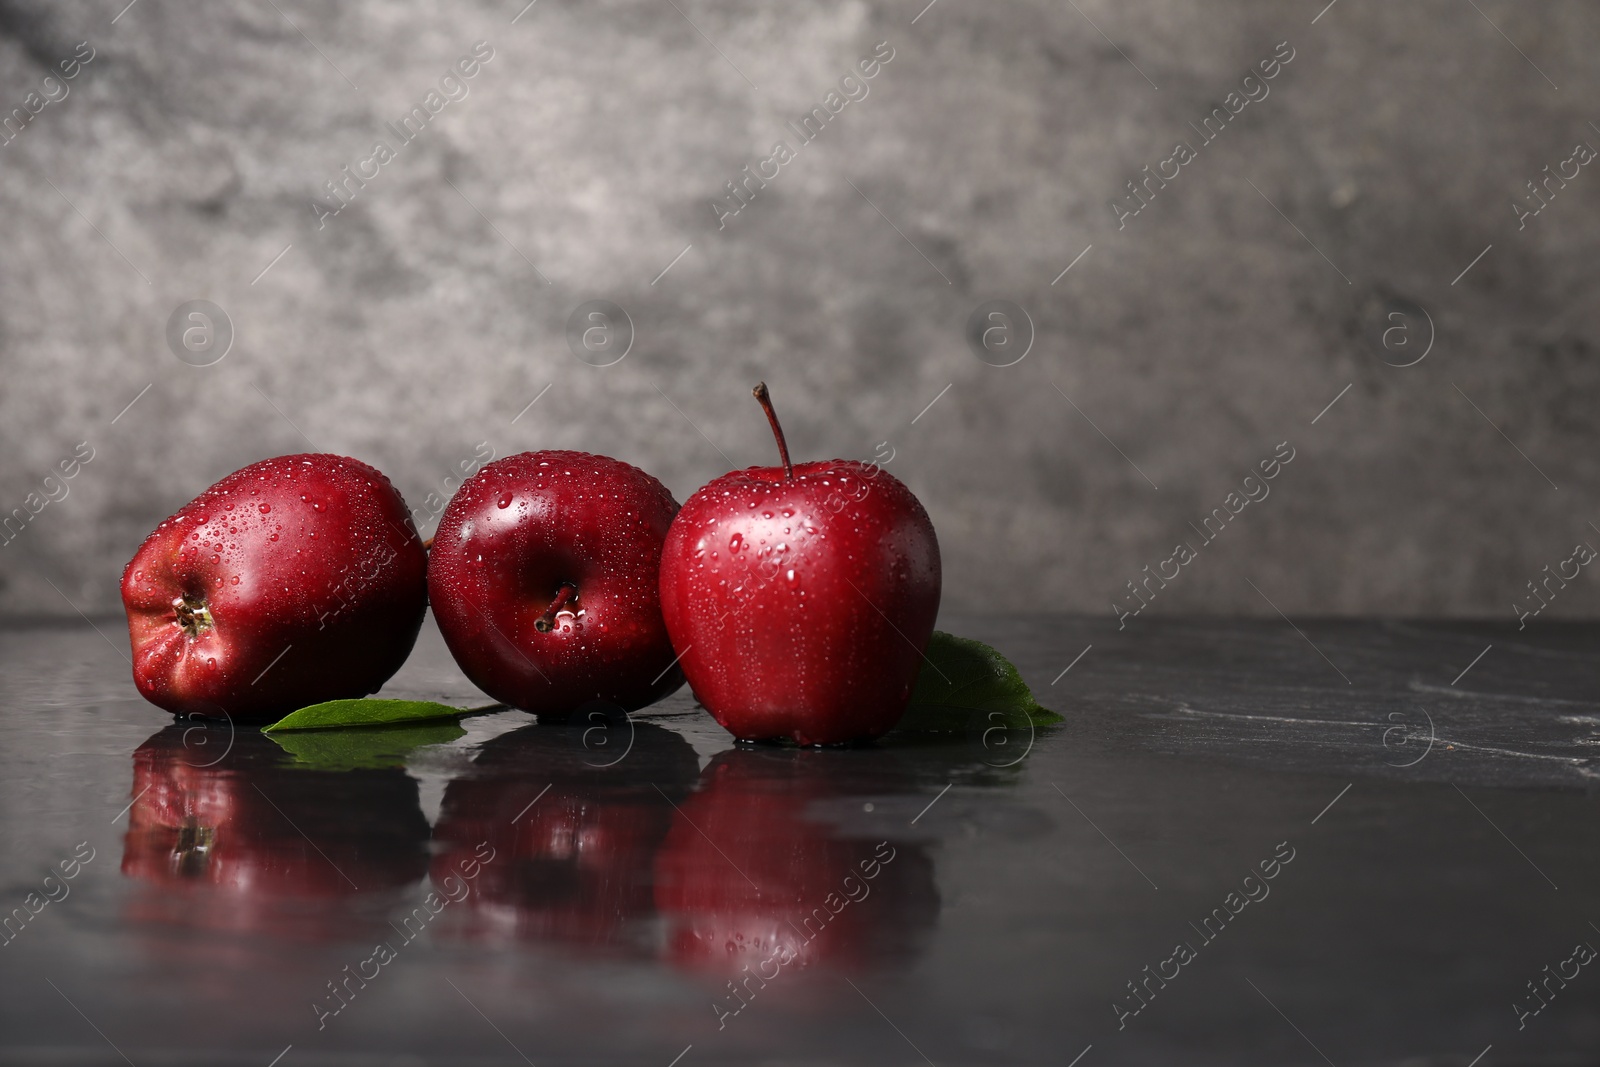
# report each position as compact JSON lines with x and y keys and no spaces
{"x":232,"y":834}
{"x":756,"y":879}
{"x":575,"y":813}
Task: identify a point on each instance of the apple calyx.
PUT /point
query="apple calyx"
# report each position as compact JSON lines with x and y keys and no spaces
{"x":193,"y":616}
{"x":546,"y":622}
{"x":765,"y":400}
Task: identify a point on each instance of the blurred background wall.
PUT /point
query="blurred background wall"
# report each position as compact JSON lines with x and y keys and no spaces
{"x":1299,"y":259}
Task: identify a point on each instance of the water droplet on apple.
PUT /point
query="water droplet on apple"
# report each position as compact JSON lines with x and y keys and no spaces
{"x":735,"y":541}
{"x":264,"y":507}
{"x":504,"y":501}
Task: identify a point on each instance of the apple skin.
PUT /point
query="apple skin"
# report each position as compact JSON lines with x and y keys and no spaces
{"x":802,"y":605}
{"x":314,"y":554}
{"x":518,"y":532}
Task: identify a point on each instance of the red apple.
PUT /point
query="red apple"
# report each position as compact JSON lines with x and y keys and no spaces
{"x":543,"y":578}
{"x":292,"y":581}
{"x":802,"y":598}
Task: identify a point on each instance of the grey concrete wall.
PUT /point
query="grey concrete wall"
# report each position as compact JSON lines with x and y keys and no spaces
{"x":1178,"y":351}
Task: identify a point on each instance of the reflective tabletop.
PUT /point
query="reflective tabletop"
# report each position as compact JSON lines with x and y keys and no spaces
{"x":1351,"y":843}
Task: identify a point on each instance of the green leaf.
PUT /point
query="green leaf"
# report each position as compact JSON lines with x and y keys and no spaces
{"x":366,"y":712}
{"x":961,"y":676}
{"x":348,"y":750}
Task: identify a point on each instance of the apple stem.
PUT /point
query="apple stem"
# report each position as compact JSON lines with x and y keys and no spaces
{"x":428,"y":544}
{"x":546,"y":622}
{"x":764,"y":398}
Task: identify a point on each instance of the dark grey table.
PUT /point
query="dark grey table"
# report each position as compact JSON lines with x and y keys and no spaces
{"x":1095,"y":894}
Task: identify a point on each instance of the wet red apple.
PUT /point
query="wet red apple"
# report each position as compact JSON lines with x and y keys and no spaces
{"x":802,"y":597}
{"x":544,"y":581}
{"x":292,"y":581}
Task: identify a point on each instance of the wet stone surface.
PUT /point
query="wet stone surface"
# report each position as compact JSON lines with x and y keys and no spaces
{"x":1244,"y":845}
